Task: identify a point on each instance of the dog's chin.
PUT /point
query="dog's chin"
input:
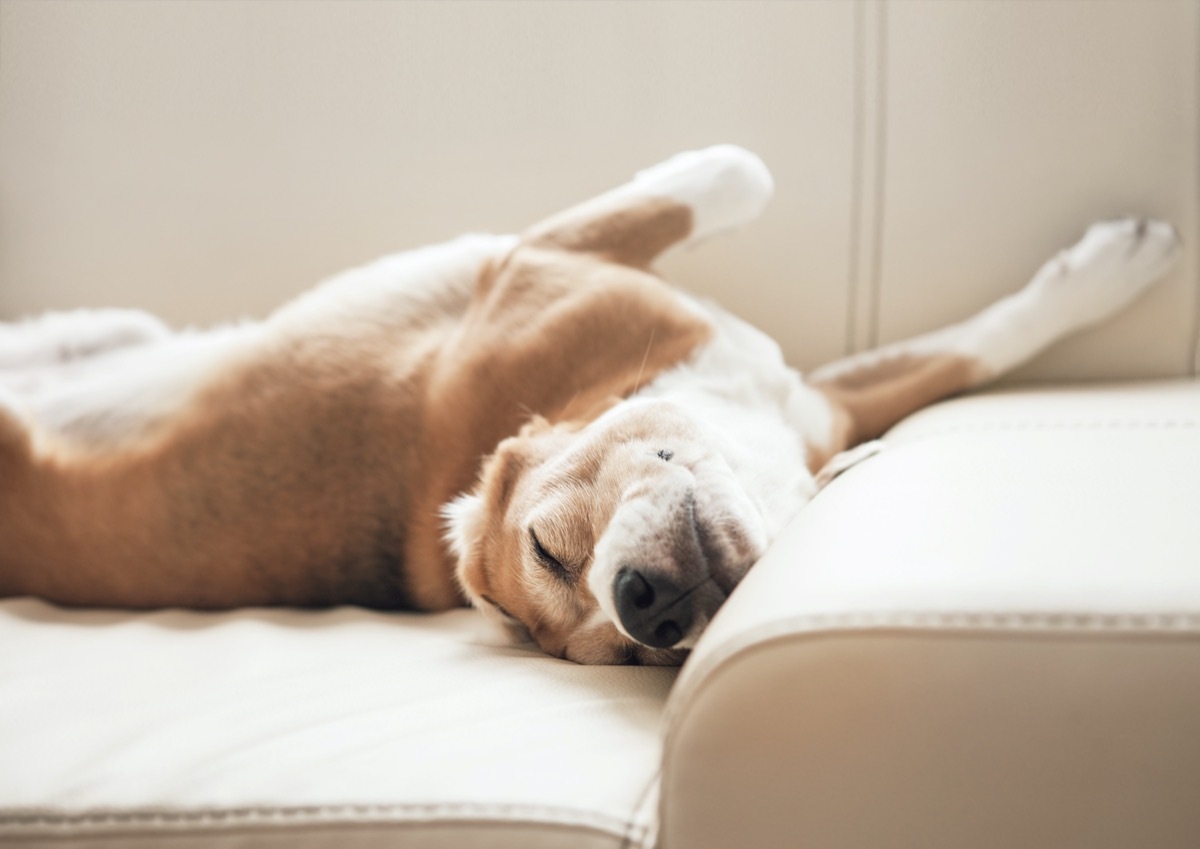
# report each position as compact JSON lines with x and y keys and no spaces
{"x":731,"y":534}
{"x":646,"y":656}
{"x":626,"y":653}
{"x":729,"y":556}
{"x":731,"y":546}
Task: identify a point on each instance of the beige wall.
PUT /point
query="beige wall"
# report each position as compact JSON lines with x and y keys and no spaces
{"x":207,"y":160}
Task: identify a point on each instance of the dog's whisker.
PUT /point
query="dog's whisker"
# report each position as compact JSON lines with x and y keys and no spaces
{"x":682,"y":596}
{"x":637,"y":384}
{"x":569,"y":404}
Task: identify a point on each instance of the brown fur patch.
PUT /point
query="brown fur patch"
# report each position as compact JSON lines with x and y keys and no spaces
{"x":563,"y":334}
{"x":630,"y":234}
{"x":870,"y":398}
{"x":280,"y":485}
{"x":314,"y":472}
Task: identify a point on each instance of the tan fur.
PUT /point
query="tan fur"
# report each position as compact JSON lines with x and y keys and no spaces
{"x":572,"y":481}
{"x":870,"y":398}
{"x":631,"y":235}
{"x":313,"y":472}
{"x":280,"y":485}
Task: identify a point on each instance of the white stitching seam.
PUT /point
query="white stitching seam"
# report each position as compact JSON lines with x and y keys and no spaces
{"x":1095,"y":424}
{"x":33,"y":820}
{"x":645,"y":815}
{"x":1063,"y":622}
{"x":881,"y":151}
{"x":856,"y":178}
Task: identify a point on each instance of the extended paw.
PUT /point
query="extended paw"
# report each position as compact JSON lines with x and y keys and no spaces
{"x":1111,"y":265}
{"x":725,"y":185}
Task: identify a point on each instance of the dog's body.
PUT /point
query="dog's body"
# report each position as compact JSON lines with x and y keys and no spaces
{"x":536,"y":424}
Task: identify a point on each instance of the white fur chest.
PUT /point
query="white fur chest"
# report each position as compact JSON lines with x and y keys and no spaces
{"x":758,"y":411}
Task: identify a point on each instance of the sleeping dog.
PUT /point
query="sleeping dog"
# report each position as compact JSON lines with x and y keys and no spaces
{"x":536,"y":424}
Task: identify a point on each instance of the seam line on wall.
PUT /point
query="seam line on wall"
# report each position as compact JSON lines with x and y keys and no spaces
{"x":856,"y":175}
{"x":881,"y":85}
{"x":1195,"y":247}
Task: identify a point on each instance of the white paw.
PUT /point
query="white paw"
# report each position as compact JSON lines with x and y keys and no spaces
{"x":1111,"y":265}
{"x":725,"y":185}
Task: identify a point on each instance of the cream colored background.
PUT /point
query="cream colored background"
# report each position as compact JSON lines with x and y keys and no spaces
{"x":208,"y":160}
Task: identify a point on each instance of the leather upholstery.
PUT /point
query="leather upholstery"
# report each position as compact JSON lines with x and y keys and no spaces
{"x":245,"y":729}
{"x":987,"y":634}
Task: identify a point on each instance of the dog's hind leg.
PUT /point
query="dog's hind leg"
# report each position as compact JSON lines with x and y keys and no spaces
{"x":1113,"y":263}
{"x":678,"y":202}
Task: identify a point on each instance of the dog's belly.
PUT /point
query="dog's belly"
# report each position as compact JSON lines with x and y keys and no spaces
{"x":284,"y":483}
{"x":117,"y":397}
{"x":770,"y":426}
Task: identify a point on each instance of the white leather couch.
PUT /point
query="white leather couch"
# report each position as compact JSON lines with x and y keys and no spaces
{"x":987,"y":635}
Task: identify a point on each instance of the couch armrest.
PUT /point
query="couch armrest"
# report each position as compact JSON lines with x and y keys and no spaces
{"x":986,"y":635}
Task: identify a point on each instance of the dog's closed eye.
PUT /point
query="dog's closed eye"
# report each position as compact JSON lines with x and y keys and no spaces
{"x":548,"y":560}
{"x":666,"y":454}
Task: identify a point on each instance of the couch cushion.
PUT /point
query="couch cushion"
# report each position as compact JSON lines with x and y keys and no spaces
{"x":986,"y":635}
{"x":293,"y":728}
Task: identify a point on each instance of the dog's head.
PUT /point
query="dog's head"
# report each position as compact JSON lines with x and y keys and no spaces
{"x":614,"y":538}
{"x":611,"y":542}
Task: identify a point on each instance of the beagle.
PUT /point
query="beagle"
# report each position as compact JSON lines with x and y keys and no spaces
{"x":537,"y":425}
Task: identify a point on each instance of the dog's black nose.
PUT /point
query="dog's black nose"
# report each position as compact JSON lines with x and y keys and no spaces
{"x":653,"y":608}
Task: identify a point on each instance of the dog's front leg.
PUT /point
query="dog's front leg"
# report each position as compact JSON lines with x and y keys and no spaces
{"x":1105,"y":271}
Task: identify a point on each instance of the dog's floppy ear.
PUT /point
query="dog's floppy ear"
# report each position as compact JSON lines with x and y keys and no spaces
{"x":679,"y":201}
{"x":466,"y":516}
{"x":472,"y":517}
{"x":463,"y":517}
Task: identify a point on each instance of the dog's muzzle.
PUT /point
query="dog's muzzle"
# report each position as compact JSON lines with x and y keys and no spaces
{"x":666,"y":593}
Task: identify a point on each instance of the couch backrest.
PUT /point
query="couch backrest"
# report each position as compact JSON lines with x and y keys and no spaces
{"x":208,"y":160}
